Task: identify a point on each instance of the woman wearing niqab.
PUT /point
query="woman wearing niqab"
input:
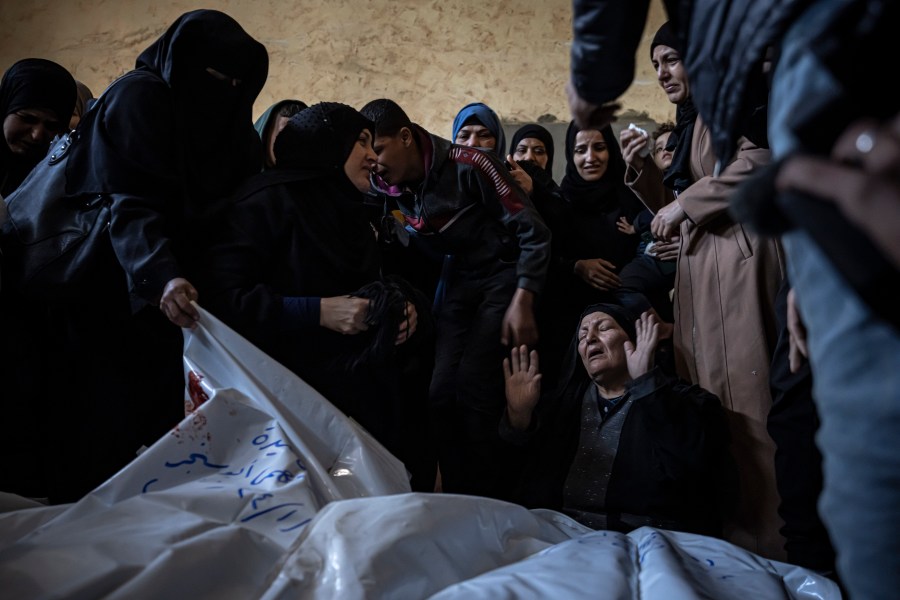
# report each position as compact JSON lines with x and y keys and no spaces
{"x":164,"y":143}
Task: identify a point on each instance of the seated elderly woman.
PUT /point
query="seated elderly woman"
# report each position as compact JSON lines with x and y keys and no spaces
{"x":620,"y":445}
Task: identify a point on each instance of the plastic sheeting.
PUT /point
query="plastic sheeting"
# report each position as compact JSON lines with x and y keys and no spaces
{"x":267,"y":491}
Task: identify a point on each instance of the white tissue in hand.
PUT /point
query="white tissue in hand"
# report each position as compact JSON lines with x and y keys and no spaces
{"x":645,"y":151}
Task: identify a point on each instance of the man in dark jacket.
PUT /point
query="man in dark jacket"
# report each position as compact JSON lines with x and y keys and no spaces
{"x":462,"y":201}
{"x":621,"y":445}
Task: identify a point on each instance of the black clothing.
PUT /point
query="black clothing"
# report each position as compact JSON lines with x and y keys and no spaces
{"x":793,"y":421}
{"x":468,"y":206}
{"x":670,"y":465}
{"x":162,"y":142}
{"x":533,"y":130}
{"x":584,"y":227}
{"x":678,"y":175}
{"x":32,"y":83}
{"x":300,"y":232}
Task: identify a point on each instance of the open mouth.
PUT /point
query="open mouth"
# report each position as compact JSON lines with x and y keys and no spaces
{"x":595,"y":352}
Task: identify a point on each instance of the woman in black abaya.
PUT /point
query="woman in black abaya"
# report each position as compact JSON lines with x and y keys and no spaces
{"x":295,"y":253}
{"x":163,"y":143}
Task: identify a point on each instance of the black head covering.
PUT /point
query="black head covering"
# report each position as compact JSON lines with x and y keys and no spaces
{"x":573,"y":377}
{"x":38,"y":83}
{"x":318,"y":139}
{"x":172,"y":125}
{"x":667,"y":36}
{"x":678,"y":176}
{"x":601,"y":195}
{"x":533,"y":130}
{"x":32,"y":83}
{"x":310,"y":153}
{"x":195,"y":42}
{"x":621,"y":315}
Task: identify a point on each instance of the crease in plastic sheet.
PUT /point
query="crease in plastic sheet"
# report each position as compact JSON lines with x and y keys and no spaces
{"x":265,"y":490}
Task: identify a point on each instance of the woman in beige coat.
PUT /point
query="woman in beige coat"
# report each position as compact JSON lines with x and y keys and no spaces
{"x":725,"y":287}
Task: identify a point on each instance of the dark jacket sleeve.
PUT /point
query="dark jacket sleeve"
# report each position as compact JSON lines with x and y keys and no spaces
{"x":146,"y":188}
{"x":506,"y":201}
{"x":138,"y":229}
{"x":237,"y":274}
{"x":605,"y":38}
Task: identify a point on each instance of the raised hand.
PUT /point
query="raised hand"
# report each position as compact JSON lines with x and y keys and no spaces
{"x":640,"y":355}
{"x":522,"y":377}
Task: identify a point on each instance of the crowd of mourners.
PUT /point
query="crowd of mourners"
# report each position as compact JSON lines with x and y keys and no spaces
{"x":619,"y":342}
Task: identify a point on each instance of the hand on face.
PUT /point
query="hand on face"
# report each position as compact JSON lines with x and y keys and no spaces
{"x":532,"y":149}
{"x":521,"y":177}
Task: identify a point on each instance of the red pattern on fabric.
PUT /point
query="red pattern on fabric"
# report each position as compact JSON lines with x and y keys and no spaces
{"x":467,"y":156}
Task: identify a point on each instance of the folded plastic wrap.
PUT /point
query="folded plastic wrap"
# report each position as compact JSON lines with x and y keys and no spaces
{"x":267,"y":491}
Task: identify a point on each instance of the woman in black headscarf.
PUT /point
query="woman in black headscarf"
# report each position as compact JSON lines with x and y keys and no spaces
{"x":533,"y":143}
{"x":162,"y":144}
{"x":588,"y":248}
{"x":292,"y":270}
{"x":620,"y":444}
{"x":37,"y":97}
{"x":531,"y":150}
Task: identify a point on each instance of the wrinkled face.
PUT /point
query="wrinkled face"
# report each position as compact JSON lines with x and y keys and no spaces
{"x":29,"y":131}
{"x":394,"y":156}
{"x":590,"y":154}
{"x":601,"y":345}
{"x":361,"y":161}
{"x":532,"y":149}
{"x":277,"y":125}
{"x":661,"y":156}
{"x":671,"y":74}
{"x":476,"y":136}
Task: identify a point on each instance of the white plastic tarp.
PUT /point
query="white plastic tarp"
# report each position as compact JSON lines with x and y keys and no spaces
{"x":267,"y":491}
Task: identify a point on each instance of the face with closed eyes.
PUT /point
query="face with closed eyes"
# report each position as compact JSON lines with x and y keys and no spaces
{"x":601,"y":345}
{"x":29,"y":131}
{"x":590,"y":154}
{"x":476,"y":136}
{"x":532,"y":149}
{"x":361,"y":162}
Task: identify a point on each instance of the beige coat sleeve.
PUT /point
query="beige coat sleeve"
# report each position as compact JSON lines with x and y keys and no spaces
{"x":707,"y":198}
